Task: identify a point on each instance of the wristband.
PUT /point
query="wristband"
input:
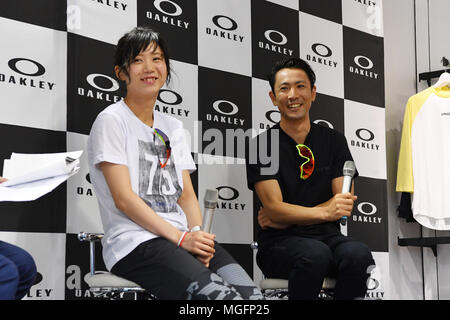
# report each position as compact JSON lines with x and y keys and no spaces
{"x":183,"y":235}
{"x":196,"y":228}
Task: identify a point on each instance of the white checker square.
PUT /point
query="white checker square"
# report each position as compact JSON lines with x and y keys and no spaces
{"x":224,"y":35}
{"x":365,"y":132}
{"x":106,"y":21}
{"x":33,"y":77}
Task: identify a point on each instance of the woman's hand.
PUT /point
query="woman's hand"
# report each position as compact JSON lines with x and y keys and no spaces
{"x":201,"y":245}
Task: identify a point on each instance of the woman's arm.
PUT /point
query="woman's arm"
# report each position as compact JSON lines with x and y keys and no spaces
{"x":189,"y":203}
{"x":201,"y":240}
{"x":126,"y":200}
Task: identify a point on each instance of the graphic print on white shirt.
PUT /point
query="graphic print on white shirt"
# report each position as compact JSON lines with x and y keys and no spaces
{"x":158,"y":187}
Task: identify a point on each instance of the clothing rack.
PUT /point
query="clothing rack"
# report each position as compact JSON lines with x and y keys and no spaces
{"x":431,"y":75}
{"x":428,"y":242}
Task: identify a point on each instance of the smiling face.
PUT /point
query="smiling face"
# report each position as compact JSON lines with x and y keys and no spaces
{"x":293,"y":94}
{"x":147,"y":72}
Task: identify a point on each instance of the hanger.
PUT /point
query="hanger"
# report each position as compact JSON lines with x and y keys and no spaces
{"x":444,"y":80}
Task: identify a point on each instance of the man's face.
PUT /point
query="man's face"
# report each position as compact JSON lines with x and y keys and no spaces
{"x":293,"y":94}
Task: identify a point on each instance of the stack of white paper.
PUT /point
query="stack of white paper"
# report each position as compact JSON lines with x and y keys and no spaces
{"x":31,"y":176}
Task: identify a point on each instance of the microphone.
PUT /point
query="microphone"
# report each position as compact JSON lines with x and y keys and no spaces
{"x":210,"y":200}
{"x":349,"y":172}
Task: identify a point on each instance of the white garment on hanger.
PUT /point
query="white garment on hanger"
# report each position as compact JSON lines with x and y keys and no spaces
{"x":444,"y":80}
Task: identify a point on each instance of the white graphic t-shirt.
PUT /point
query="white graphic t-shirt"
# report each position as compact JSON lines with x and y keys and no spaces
{"x":118,"y":136}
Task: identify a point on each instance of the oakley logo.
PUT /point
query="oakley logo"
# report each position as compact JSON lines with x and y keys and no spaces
{"x":25,"y":68}
{"x":227,"y":193}
{"x":104,"y":84}
{"x":269,"y":36}
{"x":113,"y":4}
{"x":113,"y":85}
{"x":363,"y":62}
{"x":169,"y":97}
{"x":276,"y":39}
{"x":269,"y":116}
{"x":365,"y":134}
{"x":321,"y":50}
{"x":225,"y":23}
{"x":170,"y":10}
{"x":177,"y":9}
{"x":218,"y":105}
{"x":372,"y":284}
{"x":368,"y":210}
{"x":38,"y":292}
{"x":364,"y":67}
{"x":365,"y":205}
{"x":324,"y":123}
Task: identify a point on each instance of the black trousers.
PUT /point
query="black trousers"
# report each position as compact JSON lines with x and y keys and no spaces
{"x":305,"y":262}
{"x":171,"y":272}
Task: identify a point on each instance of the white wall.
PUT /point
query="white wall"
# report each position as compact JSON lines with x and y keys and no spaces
{"x":415,"y":42}
{"x":405,"y":263}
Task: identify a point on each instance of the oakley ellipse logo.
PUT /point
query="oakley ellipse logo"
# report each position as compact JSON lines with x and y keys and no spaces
{"x":227,"y":193}
{"x":91,"y":79}
{"x":169,"y":97}
{"x":225,"y":23}
{"x":23,"y":67}
{"x":218,"y":106}
{"x":269,"y":36}
{"x":372,"y":284}
{"x":321,"y":50}
{"x":365,"y":134}
{"x":324,"y":122}
{"x":269,"y":116}
{"x":178,"y":11}
{"x":363,"y":206}
{"x":363,"y":62}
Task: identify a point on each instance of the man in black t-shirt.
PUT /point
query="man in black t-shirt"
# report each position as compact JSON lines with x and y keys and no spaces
{"x":302,"y":203}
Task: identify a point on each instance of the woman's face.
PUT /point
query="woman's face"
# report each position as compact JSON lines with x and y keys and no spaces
{"x":147,"y":72}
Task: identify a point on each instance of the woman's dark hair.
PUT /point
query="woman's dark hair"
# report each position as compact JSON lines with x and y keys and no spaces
{"x":291,"y":63}
{"x":133,"y":42}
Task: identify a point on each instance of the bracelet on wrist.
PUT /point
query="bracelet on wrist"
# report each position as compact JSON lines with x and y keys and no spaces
{"x":180,"y":241}
{"x":196,"y":228}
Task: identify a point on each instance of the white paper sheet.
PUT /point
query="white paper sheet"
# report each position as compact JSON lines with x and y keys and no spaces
{"x":31,"y":176}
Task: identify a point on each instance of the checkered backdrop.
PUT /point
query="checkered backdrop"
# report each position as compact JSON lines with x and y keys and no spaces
{"x":56,"y":75}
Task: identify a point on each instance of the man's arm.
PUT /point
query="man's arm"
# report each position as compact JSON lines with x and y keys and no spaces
{"x":280,"y":212}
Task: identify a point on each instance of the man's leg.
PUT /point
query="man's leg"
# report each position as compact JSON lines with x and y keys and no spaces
{"x":353,"y":261}
{"x":303,"y":261}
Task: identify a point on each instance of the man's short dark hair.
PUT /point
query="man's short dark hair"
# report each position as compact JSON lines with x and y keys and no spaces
{"x":292,"y":63}
{"x":133,"y":42}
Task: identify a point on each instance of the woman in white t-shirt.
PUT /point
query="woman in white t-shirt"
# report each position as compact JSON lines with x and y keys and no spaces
{"x":140,"y":168}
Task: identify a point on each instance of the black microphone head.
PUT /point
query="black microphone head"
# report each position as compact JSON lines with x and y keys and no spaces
{"x":211,"y":197}
{"x":349,"y":168}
